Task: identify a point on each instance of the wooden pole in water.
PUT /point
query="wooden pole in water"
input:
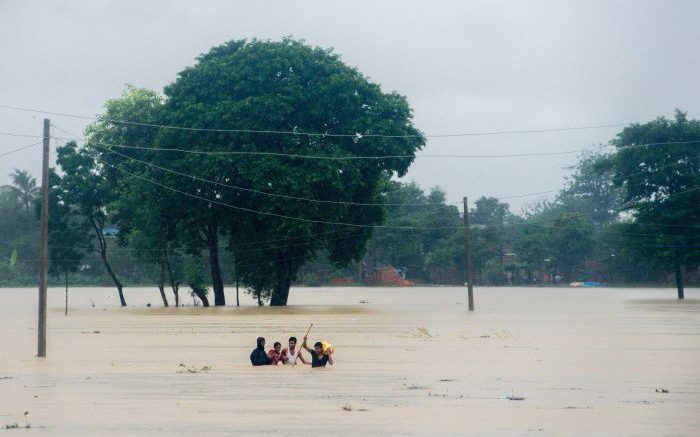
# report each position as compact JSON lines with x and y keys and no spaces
{"x":299,"y":349}
{"x":468,"y":237}
{"x":44,"y":244}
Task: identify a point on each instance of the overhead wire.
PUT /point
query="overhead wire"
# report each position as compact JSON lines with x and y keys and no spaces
{"x":252,"y":211}
{"x":341,"y":158}
{"x":20,"y":149}
{"x":194,"y":177}
{"x":296,"y":218}
{"x":357,"y":135}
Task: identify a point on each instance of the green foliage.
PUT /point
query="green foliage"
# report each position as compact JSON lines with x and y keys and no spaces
{"x":414,"y":250}
{"x":591,"y":191}
{"x":284,"y":86}
{"x":661,"y":186}
{"x":24,"y":187}
{"x":571,"y":242}
{"x":19,"y":233}
{"x":661,"y":190}
{"x":86,"y":190}
{"x":13,"y":258}
{"x":68,"y":231}
{"x":197,"y":283}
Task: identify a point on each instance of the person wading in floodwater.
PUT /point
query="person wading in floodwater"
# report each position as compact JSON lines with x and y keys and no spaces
{"x":259,"y":357}
{"x":289,"y":354}
{"x":319,"y":358}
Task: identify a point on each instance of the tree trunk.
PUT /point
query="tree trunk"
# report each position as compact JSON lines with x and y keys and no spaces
{"x":202,"y":296}
{"x":103,"y":254}
{"x":679,"y":280}
{"x":283,"y":280}
{"x":173,"y":284}
{"x":122,"y":301}
{"x":217,"y":282}
{"x":66,"y":273}
{"x":161,"y":281}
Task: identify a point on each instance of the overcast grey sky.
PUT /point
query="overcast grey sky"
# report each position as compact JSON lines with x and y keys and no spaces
{"x":464,"y":66}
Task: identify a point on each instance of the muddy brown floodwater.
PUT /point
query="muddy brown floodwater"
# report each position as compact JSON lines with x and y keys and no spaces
{"x":409,"y":362}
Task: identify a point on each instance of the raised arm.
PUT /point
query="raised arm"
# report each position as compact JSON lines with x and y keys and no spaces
{"x":308,"y":349}
{"x":301,"y":358}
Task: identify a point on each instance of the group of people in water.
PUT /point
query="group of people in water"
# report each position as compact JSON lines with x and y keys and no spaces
{"x":320,"y":356}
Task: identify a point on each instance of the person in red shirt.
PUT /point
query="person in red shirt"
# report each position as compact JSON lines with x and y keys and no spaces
{"x":275,"y":354}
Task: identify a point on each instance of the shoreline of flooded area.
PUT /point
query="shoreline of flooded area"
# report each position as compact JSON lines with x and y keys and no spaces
{"x":409,"y":361}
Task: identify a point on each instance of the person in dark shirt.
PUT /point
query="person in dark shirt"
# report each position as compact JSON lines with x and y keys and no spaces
{"x":318,"y":358}
{"x":259,"y":357}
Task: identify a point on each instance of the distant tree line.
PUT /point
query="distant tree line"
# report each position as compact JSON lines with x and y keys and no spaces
{"x":229,"y":193}
{"x":629,"y":216}
{"x":278,"y":150}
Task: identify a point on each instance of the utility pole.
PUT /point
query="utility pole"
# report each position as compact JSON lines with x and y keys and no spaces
{"x":468,"y":237}
{"x":44,"y":249}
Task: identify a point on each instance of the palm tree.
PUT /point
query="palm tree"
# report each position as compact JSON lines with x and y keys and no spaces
{"x":24,"y":185}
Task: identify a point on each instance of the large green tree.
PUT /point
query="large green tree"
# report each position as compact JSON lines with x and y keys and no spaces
{"x":84,"y":187}
{"x":67,"y":231}
{"x":262,"y":88}
{"x":591,"y":190}
{"x":658,"y":166}
{"x":120,"y":140}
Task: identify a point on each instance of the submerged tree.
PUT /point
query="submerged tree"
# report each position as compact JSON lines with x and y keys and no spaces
{"x":119,"y":141}
{"x":269,"y":103}
{"x":658,"y":165}
{"x":85,"y":188}
{"x":68,"y":233}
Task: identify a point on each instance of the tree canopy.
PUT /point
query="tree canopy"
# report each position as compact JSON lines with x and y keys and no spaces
{"x":248,"y":110}
{"x":658,"y":166}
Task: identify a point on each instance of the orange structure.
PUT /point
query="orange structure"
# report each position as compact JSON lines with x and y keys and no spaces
{"x":389,"y":276}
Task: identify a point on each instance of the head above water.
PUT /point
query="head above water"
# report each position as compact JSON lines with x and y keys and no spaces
{"x":292,"y":342}
{"x":318,"y":347}
{"x":277,"y":346}
{"x":261,"y":342}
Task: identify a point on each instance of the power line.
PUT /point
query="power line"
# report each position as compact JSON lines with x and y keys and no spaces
{"x":325,"y":157}
{"x":194,"y":177}
{"x":295,"y":197}
{"x":272,"y":248}
{"x":282,"y":216}
{"x":357,"y":135}
{"x":250,"y":190}
{"x":13,"y":134}
{"x":370,"y":157}
{"x":348,"y":158}
{"x":20,"y":149}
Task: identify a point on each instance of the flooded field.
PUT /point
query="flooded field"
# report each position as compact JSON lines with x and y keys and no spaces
{"x":409,"y":362}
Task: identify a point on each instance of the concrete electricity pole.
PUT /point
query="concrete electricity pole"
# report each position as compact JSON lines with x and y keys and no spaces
{"x":468,"y":237}
{"x":44,"y":249}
